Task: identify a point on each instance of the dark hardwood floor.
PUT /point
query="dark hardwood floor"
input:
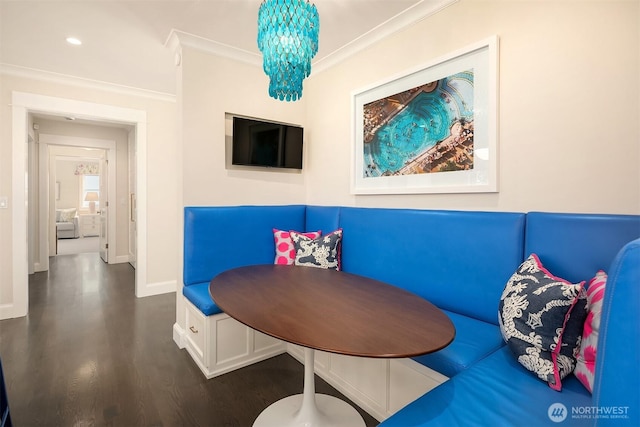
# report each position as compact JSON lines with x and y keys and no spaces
{"x":91,"y":353}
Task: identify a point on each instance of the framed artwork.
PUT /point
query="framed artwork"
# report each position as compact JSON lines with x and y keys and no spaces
{"x":432,"y":129}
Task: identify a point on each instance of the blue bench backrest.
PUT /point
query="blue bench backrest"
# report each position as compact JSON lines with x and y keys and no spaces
{"x":219,"y":238}
{"x":459,"y":261}
{"x":617,"y":376}
{"x":324,"y":218}
{"x":575,"y":246}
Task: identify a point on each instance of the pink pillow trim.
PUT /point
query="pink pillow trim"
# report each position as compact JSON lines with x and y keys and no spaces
{"x":554,"y":354}
{"x":553,"y":276}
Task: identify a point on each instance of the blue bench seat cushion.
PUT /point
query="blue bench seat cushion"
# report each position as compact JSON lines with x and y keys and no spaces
{"x":498,"y":391}
{"x":474,"y":341}
{"x":199,"y":296}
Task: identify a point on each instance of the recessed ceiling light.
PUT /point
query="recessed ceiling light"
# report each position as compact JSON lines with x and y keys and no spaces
{"x":74,"y":41}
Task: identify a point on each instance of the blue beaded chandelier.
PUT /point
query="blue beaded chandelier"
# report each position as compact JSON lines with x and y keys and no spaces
{"x":288,"y":40}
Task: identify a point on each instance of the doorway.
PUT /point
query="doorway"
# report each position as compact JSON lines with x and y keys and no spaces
{"x":81,"y":190}
{"x":74,"y":165}
{"x":24,"y":104}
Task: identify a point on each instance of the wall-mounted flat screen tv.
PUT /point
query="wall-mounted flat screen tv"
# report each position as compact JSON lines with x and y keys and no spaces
{"x":267,"y":144}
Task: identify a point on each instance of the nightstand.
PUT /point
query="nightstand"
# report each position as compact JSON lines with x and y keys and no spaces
{"x":90,"y":225}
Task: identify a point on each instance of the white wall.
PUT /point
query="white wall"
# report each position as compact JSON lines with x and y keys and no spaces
{"x":567,"y":125}
{"x":212,"y":86}
{"x":209,"y":87}
{"x":568,"y":129}
{"x":69,"y":184}
{"x":568,"y":121}
{"x":568,"y":114}
{"x":161,"y":133}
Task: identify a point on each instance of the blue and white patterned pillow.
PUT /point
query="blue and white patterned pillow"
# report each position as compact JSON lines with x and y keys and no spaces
{"x":541,"y":317}
{"x":323,"y":252}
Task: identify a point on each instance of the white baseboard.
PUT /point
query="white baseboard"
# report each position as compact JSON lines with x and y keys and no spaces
{"x":158,"y":288}
{"x":121,"y":259}
{"x":178,"y":335}
{"x":8,"y":311}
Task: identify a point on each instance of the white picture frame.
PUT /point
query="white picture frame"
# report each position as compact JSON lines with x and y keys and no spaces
{"x":432,"y":129}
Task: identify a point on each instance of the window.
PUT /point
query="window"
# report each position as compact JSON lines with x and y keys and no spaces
{"x":89,"y":183}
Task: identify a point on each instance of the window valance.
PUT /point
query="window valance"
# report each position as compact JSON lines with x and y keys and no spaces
{"x":87,"y":169}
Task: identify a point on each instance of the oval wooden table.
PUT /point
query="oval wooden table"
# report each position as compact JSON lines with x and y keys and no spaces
{"x":331,"y":311}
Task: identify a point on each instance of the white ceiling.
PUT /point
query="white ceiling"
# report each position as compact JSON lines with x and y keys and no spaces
{"x":126,"y":41}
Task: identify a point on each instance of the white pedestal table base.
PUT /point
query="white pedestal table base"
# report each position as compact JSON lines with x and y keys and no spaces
{"x":309,"y":409}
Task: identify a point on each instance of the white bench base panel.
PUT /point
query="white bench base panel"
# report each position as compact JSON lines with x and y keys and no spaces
{"x":379,"y":386}
{"x":220,"y":344}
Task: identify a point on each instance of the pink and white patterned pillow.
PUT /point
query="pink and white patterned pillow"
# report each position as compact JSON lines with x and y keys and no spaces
{"x":285,"y":252}
{"x":586,"y":361}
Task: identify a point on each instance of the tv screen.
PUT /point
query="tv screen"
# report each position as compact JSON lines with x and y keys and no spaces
{"x":267,"y":144}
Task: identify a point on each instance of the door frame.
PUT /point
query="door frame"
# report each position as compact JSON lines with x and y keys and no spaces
{"x":24,"y":103}
{"x":48,"y":143}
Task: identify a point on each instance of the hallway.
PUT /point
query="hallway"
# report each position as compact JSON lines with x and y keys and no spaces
{"x":91,"y":353}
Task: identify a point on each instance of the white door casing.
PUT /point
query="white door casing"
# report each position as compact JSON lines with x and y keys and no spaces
{"x":105,"y":207}
{"x":24,"y":103}
{"x":106,"y":151}
{"x":132,"y":198}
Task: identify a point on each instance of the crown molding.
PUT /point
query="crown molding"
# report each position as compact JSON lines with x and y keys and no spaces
{"x":178,"y":39}
{"x":404,"y":19}
{"x":65,"y":79}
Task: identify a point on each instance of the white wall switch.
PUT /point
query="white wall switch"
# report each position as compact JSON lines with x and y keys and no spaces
{"x":4,"y":202}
